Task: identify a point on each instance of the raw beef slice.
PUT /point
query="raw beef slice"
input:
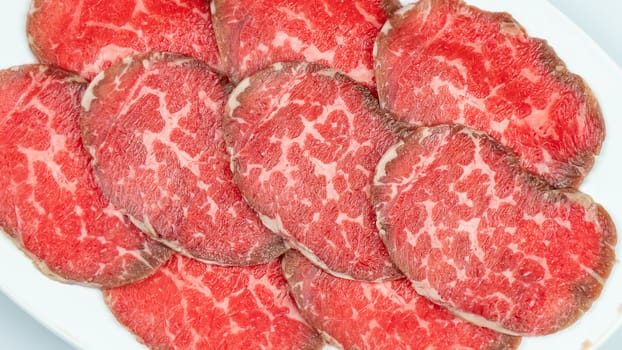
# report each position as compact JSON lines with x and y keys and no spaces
{"x":376,"y":316}
{"x":253,"y":34}
{"x":477,"y":234}
{"x":49,"y":202}
{"x":443,"y":62}
{"x":202,"y":306}
{"x":153,"y":126}
{"x":87,"y":36}
{"x":304,"y":142}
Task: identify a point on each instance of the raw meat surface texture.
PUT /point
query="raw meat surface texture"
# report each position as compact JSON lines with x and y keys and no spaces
{"x":153,"y":126}
{"x":253,"y":34}
{"x":87,"y":36}
{"x":477,"y":234}
{"x":190,"y":305}
{"x":381,"y":316}
{"x":444,"y":62}
{"x":50,"y":204}
{"x":304,"y":142}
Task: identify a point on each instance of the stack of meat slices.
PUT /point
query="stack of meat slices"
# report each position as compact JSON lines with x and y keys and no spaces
{"x":444,"y":62}
{"x":153,"y":126}
{"x":282,"y":205}
{"x":50,"y":204}
{"x":489,"y":235}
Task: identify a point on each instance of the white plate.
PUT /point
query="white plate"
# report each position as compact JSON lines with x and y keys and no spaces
{"x":78,"y":314}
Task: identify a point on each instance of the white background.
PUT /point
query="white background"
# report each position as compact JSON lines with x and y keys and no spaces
{"x":599,"y":18}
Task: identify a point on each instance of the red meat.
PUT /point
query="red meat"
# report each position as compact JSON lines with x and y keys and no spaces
{"x":199,"y":306}
{"x":304,"y":142}
{"x":443,"y":62}
{"x":87,"y":36}
{"x":153,"y":127}
{"x":253,"y":34}
{"x":477,"y":234}
{"x":381,"y":316}
{"x":49,"y":202}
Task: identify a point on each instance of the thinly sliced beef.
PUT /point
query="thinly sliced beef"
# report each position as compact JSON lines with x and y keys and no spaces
{"x":304,"y":142}
{"x":253,"y":34}
{"x":49,"y":202}
{"x":190,"y":305}
{"x":477,"y":234}
{"x":444,"y":62}
{"x":87,"y":36}
{"x":153,"y":126}
{"x":381,"y":316}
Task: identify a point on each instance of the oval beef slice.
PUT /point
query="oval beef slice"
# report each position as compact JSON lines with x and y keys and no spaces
{"x":253,"y":34}
{"x":477,"y":234}
{"x":50,"y":204}
{"x":304,"y":142}
{"x":443,"y":62}
{"x":381,"y":316}
{"x":202,"y":306}
{"x":153,"y":126}
{"x":87,"y":36}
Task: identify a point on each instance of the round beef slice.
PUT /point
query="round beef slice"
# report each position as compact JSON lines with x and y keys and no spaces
{"x":200,"y":306}
{"x":304,"y":142}
{"x":445,"y":62}
{"x":87,"y":36}
{"x":480,"y":236}
{"x":254,"y":34}
{"x":50,"y":204}
{"x":381,"y":316}
{"x":153,"y":126}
